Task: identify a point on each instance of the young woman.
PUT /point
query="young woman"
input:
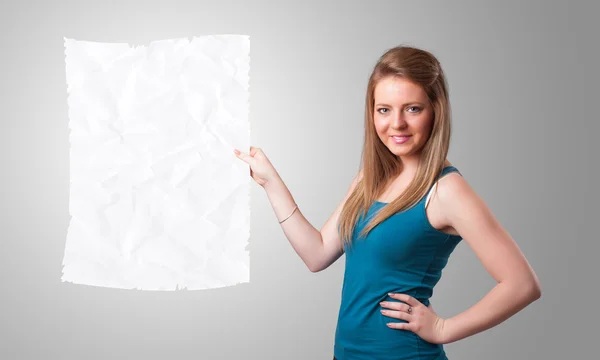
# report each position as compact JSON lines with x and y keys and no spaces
{"x":405,"y":212}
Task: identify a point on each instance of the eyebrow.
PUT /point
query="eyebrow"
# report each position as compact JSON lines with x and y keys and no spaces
{"x":408,"y":103}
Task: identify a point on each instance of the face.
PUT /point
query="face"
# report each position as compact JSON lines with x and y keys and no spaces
{"x":402,"y":108}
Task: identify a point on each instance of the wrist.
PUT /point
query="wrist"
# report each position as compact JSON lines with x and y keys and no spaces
{"x":273,"y":183}
{"x":447,"y":331}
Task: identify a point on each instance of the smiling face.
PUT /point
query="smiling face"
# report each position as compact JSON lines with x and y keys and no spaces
{"x":402,"y":107}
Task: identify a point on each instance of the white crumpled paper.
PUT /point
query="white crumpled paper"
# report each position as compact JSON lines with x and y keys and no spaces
{"x":158,"y":199}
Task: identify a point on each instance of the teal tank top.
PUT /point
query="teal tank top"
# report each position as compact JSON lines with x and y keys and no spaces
{"x":403,"y":254}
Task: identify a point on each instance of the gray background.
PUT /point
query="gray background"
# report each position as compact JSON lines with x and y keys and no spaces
{"x":522,"y":87}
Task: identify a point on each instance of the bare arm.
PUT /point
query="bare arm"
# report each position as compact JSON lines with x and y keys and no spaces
{"x":518,"y":285}
{"x":318,"y":249}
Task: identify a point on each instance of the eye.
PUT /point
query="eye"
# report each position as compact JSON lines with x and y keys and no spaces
{"x":415,"y":107}
{"x":378,"y":110}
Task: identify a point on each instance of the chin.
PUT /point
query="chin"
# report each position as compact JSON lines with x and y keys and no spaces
{"x":401,"y":154}
{"x":402,"y":150}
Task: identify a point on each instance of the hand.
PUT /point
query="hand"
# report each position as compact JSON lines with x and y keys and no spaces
{"x":261,"y":169}
{"x":422,"y":320}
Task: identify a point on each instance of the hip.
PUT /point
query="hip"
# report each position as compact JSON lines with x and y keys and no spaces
{"x":442,"y":356}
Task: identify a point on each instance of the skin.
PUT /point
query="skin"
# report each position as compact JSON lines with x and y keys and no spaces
{"x":406,"y":110}
{"x":402,"y":108}
{"x":459,"y":209}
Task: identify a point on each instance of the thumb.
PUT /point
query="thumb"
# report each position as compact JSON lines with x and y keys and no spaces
{"x":254,"y":151}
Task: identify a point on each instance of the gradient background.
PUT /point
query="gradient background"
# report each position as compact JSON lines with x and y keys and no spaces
{"x":523,"y":89}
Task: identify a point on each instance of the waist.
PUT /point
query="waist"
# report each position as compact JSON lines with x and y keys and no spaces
{"x":359,"y":302}
{"x":383,"y":343}
{"x":368,"y":289}
{"x":366,"y":331}
{"x":362,"y":332}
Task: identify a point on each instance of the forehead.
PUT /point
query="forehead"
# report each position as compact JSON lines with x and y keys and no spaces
{"x":396,"y":89}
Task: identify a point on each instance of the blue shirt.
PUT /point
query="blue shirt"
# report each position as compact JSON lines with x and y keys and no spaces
{"x":403,"y":254}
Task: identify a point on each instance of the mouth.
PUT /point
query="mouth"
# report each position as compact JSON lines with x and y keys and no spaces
{"x":400,"y":139}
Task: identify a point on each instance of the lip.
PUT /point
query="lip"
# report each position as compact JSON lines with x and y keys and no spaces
{"x":402,"y":140}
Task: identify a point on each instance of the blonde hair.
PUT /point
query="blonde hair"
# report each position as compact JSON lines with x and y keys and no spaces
{"x":378,"y":163}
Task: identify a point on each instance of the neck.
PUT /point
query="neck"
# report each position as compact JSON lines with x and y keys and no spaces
{"x":409,"y":164}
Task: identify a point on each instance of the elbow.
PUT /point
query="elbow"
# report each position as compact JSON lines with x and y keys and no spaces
{"x":314,"y":268}
{"x":317,"y":266}
{"x":534,"y":289}
{"x":527,"y":291}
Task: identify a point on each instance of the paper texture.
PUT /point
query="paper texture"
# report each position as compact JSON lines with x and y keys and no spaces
{"x":158,"y":200}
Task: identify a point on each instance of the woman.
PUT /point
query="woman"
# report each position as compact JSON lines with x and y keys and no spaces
{"x":402,"y":217}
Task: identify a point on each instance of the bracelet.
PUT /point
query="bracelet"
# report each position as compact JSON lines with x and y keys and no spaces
{"x":289,"y":214}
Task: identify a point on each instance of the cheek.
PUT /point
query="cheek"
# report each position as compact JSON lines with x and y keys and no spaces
{"x":380,"y":123}
{"x":425,"y":126}
{"x":428,"y":128}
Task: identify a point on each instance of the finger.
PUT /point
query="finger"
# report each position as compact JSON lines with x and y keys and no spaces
{"x":245,"y":157}
{"x":406,"y":298}
{"x":399,"y":326}
{"x":397,"y":314}
{"x":395,"y":305}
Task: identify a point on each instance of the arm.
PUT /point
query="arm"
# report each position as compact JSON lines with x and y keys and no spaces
{"x":318,"y":249}
{"x":518,"y":285}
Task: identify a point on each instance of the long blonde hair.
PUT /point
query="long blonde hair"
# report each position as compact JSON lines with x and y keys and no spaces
{"x":378,"y":163}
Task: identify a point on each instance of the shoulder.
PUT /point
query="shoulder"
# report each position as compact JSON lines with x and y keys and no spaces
{"x":358,"y":177}
{"x":452,"y":183}
{"x":355,"y":182}
{"x":458,"y":200}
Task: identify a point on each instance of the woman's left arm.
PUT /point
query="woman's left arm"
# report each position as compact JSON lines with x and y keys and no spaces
{"x":518,"y":285}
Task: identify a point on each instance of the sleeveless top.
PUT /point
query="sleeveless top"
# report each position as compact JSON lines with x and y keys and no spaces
{"x":403,"y":254}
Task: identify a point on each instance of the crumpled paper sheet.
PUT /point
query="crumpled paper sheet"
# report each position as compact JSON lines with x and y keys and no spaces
{"x":158,"y":200}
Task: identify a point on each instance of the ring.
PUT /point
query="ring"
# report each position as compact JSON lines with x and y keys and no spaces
{"x":410,"y":309}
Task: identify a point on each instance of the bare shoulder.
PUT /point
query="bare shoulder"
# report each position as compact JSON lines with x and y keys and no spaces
{"x":451,"y":183}
{"x":357,"y":178}
{"x":453,"y":188}
{"x":438,"y":208}
{"x":353,"y":185}
{"x":459,"y":205}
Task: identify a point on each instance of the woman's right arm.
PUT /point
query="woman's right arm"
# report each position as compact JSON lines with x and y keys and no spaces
{"x":318,"y":249}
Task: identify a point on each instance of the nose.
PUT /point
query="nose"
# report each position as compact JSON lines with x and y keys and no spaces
{"x":398,"y":121}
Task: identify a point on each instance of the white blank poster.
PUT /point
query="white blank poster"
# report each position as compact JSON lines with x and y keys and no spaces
{"x":158,"y":200}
